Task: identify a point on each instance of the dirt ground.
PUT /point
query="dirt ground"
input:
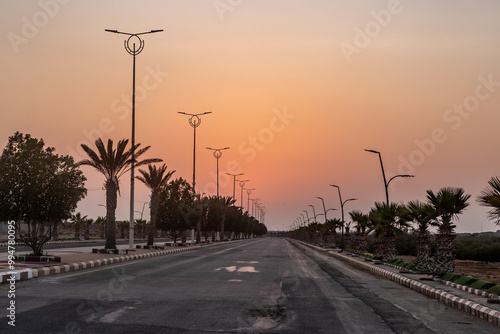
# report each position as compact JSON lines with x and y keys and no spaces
{"x":487,"y":271}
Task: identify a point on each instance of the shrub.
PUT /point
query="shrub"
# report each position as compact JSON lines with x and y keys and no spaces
{"x":409,"y":266}
{"x":466,"y":280}
{"x":482,"y":285}
{"x":478,"y":248}
{"x":452,"y":277}
{"x":495,"y":289}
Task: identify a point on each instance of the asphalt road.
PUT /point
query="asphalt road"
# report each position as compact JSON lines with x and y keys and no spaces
{"x":255,"y":286}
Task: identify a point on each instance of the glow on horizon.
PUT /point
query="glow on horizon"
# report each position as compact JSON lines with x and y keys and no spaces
{"x":296,"y":111}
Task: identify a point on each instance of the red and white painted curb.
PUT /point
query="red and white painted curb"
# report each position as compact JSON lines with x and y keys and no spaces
{"x":28,"y":273}
{"x":468,"y":306}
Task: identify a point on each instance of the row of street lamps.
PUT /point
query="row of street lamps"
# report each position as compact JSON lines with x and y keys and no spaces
{"x":134,"y":46}
{"x":302,"y":221}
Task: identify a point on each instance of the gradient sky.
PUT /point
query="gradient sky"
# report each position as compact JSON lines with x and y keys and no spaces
{"x":297,"y":89}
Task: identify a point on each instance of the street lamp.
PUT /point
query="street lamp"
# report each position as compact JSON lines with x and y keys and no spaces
{"x":386,"y":184}
{"x":130,"y":47}
{"x":324,"y":208}
{"x":342,"y":209}
{"x":194,"y":121}
{"x":249,"y":191}
{"x":314,"y":213}
{"x":242,"y":184}
{"x":142,"y":212}
{"x":303,"y":219}
{"x":217,"y":155}
{"x":307,"y":215}
{"x":234,"y":184}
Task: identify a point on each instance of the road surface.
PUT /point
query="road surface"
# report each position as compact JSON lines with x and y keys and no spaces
{"x":266,"y":285}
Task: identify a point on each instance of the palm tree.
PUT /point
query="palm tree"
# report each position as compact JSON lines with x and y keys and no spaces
{"x":387,"y":221}
{"x":156,"y":179}
{"x":123,"y":225}
{"x":88,"y":222}
{"x":223,"y":203}
{"x":113,"y":163}
{"x":329,"y":230}
{"x":422,"y":214}
{"x":490,"y":197}
{"x":78,"y":221}
{"x":362,"y":224}
{"x":447,"y":203}
{"x":102,"y":222}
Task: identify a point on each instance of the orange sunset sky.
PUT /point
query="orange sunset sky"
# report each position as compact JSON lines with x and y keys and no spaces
{"x":297,"y":90}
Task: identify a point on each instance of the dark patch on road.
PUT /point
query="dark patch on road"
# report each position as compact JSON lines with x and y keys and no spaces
{"x":275,"y":312}
{"x":397,"y":319}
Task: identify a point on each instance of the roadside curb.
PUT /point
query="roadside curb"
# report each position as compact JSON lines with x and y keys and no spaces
{"x":468,"y":306}
{"x":28,"y":273}
{"x":60,"y":242}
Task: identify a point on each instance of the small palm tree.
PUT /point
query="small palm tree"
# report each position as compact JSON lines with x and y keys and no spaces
{"x":88,"y":222}
{"x":490,"y":197}
{"x":421,"y":214}
{"x":362,"y":224}
{"x":156,"y":179}
{"x":78,"y":221}
{"x":329,"y":230}
{"x":447,"y":203}
{"x":387,"y":221}
{"x":224,"y":203}
{"x":113,"y":163}
{"x":102,"y":222}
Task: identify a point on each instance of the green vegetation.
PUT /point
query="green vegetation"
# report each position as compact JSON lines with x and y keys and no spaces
{"x":37,"y":187}
{"x":482,"y":285}
{"x":478,"y":248}
{"x":466,"y":280}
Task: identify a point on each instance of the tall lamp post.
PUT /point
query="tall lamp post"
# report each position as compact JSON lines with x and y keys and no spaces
{"x":314,"y":213}
{"x":242,"y":184}
{"x":194,"y":121}
{"x":130,"y":47}
{"x":342,"y":209}
{"x":307,"y":215}
{"x":386,"y":183}
{"x":303,"y":219}
{"x":234,"y":184}
{"x":249,"y":191}
{"x":324,"y":208}
{"x":217,"y":155}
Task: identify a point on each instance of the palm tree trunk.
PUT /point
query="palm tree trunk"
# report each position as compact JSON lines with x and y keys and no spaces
{"x":198,"y":231}
{"x":363,"y":244}
{"x":222,"y":235}
{"x":155,"y":200}
{"x":87,"y":230}
{"x":423,"y":260}
{"x":111,"y":200}
{"x":77,"y":230}
{"x":444,"y":260}
{"x":347,"y":239}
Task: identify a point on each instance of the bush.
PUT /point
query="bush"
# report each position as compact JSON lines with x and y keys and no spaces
{"x":478,"y":248}
{"x":409,"y":266}
{"x":466,"y":280}
{"x":452,"y":277}
{"x":495,"y":289}
{"x":406,"y":243}
{"x":482,"y":285}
